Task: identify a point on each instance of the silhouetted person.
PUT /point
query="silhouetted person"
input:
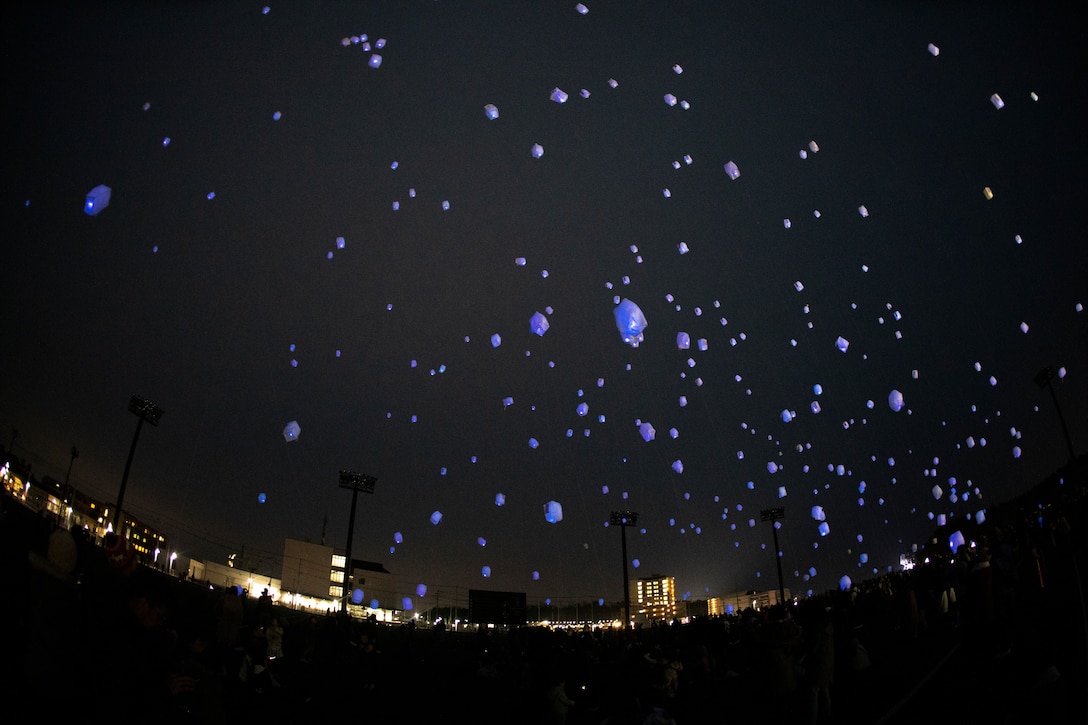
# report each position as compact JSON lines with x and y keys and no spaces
{"x":264,"y":609}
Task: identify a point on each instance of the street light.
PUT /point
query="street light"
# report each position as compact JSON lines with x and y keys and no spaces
{"x":1042,"y":379}
{"x":356,"y":482}
{"x":144,"y":410}
{"x":773,"y":515}
{"x":623,"y":519}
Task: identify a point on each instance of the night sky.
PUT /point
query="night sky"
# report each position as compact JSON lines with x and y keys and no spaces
{"x":214,"y":284}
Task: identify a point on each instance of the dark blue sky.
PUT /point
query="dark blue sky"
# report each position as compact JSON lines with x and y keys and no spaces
{"x":195,"y":303}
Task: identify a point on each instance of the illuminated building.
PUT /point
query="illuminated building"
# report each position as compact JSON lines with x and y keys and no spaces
{"x":320,"y":572}
{"x":739,"y":601}
{"x":655,"y":598}
{"x":72,"y":509}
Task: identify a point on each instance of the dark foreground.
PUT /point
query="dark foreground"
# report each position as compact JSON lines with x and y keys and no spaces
{"x":998,"y":636}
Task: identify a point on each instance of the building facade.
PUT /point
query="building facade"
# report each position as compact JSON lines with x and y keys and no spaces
{"x":739,"y":601}
{"x":654,"y":599}
{"x":322,"y":572}
{"x":72,"y":509}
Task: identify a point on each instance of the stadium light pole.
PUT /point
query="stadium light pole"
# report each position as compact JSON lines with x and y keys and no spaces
{"x":773,"y":515}
{"x":1042,"y":379}
{"x":75,"y":455}
{"x":144,"y":410}
{"x":356,"y":482}
{"x":623,"y":519}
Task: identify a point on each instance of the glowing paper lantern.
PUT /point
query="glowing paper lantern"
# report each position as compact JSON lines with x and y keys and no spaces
{"x":538,"y":323}
{"x":955,"y":541}
{"x":421,"y":590}
{"x":436,"y":517}
{"x":630,"y":321}
{"x":559,"y":96}
{"x":895,"y":400}
{"x":97,"y":199}
{"x":357,"y":596}
{"x":845,"y":583}
{"x":491,"y":111}
{"x":683,"y":340}
{"x":291,"y":431}
{"x":553,"y":512}
{"x":647,"y":432}
{"x":261,"y":497}
{"x":732,"y":171}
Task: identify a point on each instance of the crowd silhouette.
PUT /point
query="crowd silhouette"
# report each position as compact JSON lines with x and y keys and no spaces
{"x":993,"y":633}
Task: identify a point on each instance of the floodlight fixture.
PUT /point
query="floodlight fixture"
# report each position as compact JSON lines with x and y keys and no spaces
{"x":356,"y":482}
{"x":1043,"y":379}
{"x":145,"y":410}
{"x":773,"y":515}
{"x":623,"y":519}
